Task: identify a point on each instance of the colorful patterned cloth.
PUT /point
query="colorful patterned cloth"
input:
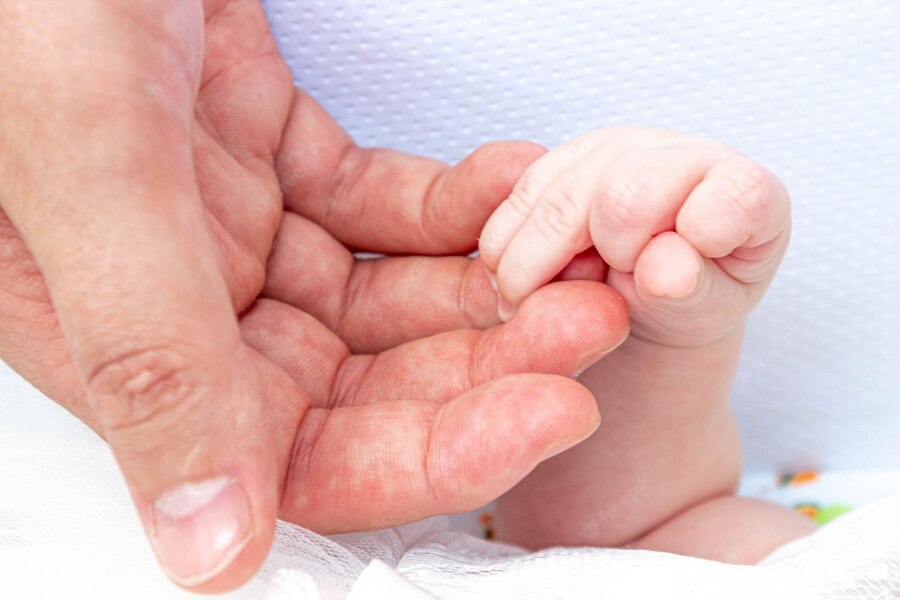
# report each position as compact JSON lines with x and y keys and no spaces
{"x":823,"y":496}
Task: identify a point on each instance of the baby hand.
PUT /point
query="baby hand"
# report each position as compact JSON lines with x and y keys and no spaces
{"x":692,"y":230}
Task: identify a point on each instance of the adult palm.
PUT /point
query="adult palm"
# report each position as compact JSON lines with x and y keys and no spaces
{"x":175,"y":271}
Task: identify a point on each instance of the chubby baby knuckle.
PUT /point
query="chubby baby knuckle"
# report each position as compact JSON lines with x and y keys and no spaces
{"x":149,"y":385}
{"x":750,"y":189}
{"x":559,"y":216}
{"x":622,"y":203}
{"x":520,"y":201}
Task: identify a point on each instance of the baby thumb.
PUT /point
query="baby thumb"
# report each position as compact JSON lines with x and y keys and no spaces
{"x":102,"y":188}
{"x":681,"y":289}
{"x":669,"y":270}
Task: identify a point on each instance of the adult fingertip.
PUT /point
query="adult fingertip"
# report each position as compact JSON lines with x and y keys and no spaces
{"x":199,"y":529}
{"x":568,"y":325}
{"x":590,"y":358}
{"x":505,"y":162}
{"x":549,"y":414}
{"x":474,"y":189}
{"x":587,"y":421}
{"x":194,"y":447}
{"x":211,"y":536}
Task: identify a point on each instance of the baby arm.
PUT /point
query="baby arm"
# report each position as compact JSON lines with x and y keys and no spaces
{"x":691,"y":232}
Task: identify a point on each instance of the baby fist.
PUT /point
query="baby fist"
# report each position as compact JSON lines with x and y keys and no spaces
{"x":692,"y":230}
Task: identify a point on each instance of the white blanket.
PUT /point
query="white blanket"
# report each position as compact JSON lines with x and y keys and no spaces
{"x":68,"y":530}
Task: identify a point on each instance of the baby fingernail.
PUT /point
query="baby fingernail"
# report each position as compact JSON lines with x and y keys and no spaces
{"x":504,"y":310}
{"x":200,"y":528}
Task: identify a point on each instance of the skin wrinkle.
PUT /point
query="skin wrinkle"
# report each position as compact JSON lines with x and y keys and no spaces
{"x":335,"y":379}
{"x":209,"y":82}
{"x":152,"y":431}
{"x":242,"y":296}
{"x":213,"y":14}
{"x":480,"y":295}
{"x":39,"y":309}
{"x":350,"y":378}
{"x":263,"y":158}
{"x":266,"y":174}
{"x":431,"y":454}
{"x":111,"y":385}
{"x":462,"y":294}
{"x":762,"y":271}
{"x":426,"y":213}
{"x":301,"y":455}
{"x":358,"y":283}
{"x":749,"y":189}
{"x":471,"y":357}
{"x":353,"y":163}
{"x":330,"y":283}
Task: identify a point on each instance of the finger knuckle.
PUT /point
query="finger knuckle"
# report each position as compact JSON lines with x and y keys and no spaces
{"x":749,"y":189}
{"x":144,"y":386}
{"x":520,"y":201}
{"x":622,"y":204}
{"x":559,"y":216}
{"x":349,"y":179}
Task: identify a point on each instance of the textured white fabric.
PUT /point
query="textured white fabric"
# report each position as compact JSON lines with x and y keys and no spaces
{"x":68,"y":530}
{"x":811,"y":89}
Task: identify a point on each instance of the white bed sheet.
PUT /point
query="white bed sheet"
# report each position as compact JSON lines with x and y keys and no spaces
{"x":68,"y":530}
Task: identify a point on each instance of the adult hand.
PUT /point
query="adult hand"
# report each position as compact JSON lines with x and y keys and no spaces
{"x":141,"y":198}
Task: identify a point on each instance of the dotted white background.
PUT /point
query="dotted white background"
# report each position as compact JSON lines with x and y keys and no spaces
{"x":809,"y":89}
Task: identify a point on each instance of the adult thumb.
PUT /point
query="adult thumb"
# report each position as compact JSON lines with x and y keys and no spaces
{"x":103,"y":192}
{"x":151,"y":329}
